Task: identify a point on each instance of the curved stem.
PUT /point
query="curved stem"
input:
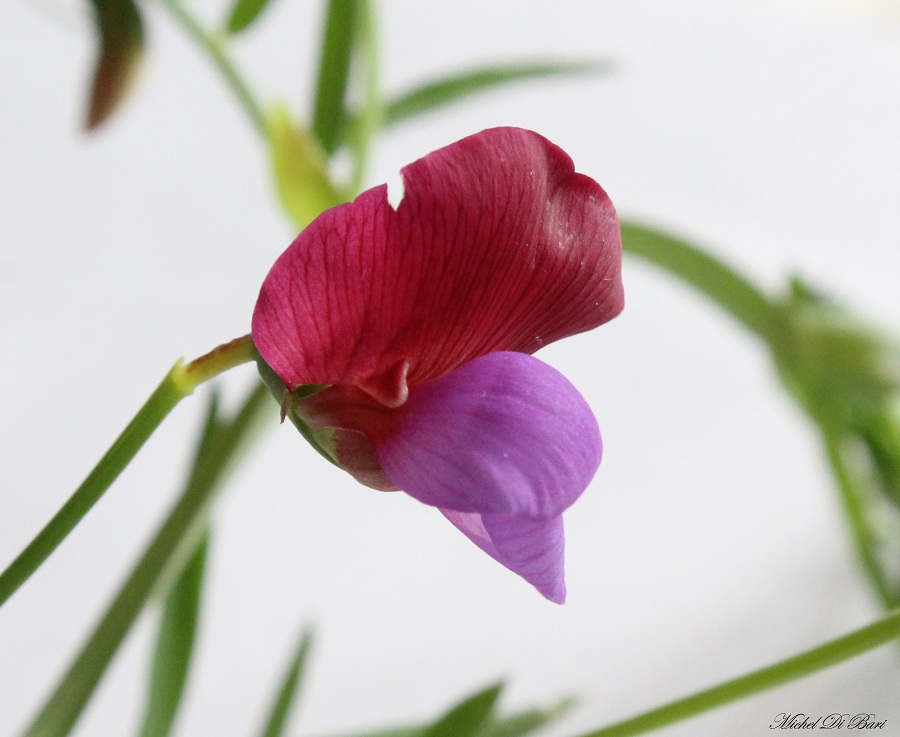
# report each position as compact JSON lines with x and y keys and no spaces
{"x":178,"y":383}
{"x":720,"y":283}
{"x":216,"y":50}
{"x":176,"y":539}
{"x":819,"y":658}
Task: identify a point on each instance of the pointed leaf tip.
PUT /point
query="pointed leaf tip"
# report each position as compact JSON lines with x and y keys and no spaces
{"x":121,"y":39}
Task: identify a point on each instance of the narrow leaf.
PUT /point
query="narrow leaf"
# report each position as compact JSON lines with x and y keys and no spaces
{"x":244,"y":14}
{"x":174,"y":646}
{"x":468,"y":717}
{"x":334,"y":71}
{"x":450,"y":89}
{"x":299,"y":168}
{"x":525,"y":722}
{"x":176,"y":537}
{"x":121,"y":40}
{"x":290,"y":687}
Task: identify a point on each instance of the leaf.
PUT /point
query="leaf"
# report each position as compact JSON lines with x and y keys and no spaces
{"x":244,"y":14}
{"x":175,"y":644}
{"x":338,"y":36}
{"x":121,"y":41}
{"x":525,"y":722}
{"x":444,"y":91}
{"x":290,"y":687}
{"x":222,"y":443}
{"x":298,"y":164}
{"x":468,"y":717}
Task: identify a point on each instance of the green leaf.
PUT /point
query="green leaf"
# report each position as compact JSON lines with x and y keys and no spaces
{"x":467,"y":718}
{"x":444,"y":91}
{"x":290,"y":687}
{"x":369,"y":120}
{"x":525,"y":722}
{"x":244,"y":13}
{"x":338,"y":36}
{"x":175,"y":540}
{"x":175,"y":643}
{"x":121,"y":41}
{"x":299,"y":168}
{"x":726,"y":287}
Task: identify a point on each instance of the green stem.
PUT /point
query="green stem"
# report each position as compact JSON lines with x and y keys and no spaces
{"x":860,"y":530}
{"x":720,"y":283}
{"x":798,"y":666}
{"x":174,"y":542}
{"x":215,"y":47}
{"x":179,"y":383}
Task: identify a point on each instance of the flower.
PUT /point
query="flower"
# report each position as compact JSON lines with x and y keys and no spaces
{"x":419,"y":321}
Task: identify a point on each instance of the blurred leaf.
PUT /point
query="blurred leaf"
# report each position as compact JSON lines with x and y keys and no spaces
{"x":369,"y":119}
{"x":290,"y":687}
{"x":468,"y":717}
{"x":121,"y":41}
{"x":515,"y":725}
{"x":244,"y":13}
{"x":223,"y":441}
{"x":299,"y":168}
{"x":175,"y":643}
{"x":338,"y":37}
{"x":525,"y":722}
{"x":450,"y":89}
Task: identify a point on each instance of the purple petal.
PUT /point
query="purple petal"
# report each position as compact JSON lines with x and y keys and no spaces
{"x":532,"y":548}
{"x":502,"y":445}
{"x":503,"y":434}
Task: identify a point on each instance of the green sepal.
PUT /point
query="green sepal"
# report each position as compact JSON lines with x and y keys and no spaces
{"x":120,"y":34}
{"x":300,"y":170}
{"x":286,"y":400}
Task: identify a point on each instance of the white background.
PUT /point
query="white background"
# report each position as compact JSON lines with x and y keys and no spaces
{"x":710,"y":542}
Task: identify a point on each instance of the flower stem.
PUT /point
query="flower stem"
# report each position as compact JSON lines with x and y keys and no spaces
{"x":215,"y":47}
{"x":170,"y":549}
{"x":728,"y":289}
{"x":798,"y":666}
{"x":178,"y":383}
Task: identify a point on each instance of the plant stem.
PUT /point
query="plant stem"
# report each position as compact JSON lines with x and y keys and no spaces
{"x":178,"y":383}
{"x":215,"y":47}
{"x":724,"y":286}
{"x":798,"y":666}
{"x":174,"y":542}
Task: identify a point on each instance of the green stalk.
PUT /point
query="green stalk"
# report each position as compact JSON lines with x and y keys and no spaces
{"x":215,"y":47}
{"x":724,"y":286}
{"x":798,"y":666}
{"x":179,"y":383}
{"x":176,"y":539}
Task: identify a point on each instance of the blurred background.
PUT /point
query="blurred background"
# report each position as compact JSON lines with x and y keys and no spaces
{"x":710,"y":542}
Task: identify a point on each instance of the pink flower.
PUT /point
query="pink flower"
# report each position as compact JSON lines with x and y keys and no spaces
{"x":421,"y":322}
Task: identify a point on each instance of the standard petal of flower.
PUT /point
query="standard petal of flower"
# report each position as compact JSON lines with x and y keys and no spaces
{"x":497,"y":245}
{"x":532,"y":548}
{"x":503,"y":434}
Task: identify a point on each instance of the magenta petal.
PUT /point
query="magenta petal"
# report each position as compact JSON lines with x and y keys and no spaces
{"x":498,"y":245}
{"x":503,"y":434}
{"x":532,"y":548}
